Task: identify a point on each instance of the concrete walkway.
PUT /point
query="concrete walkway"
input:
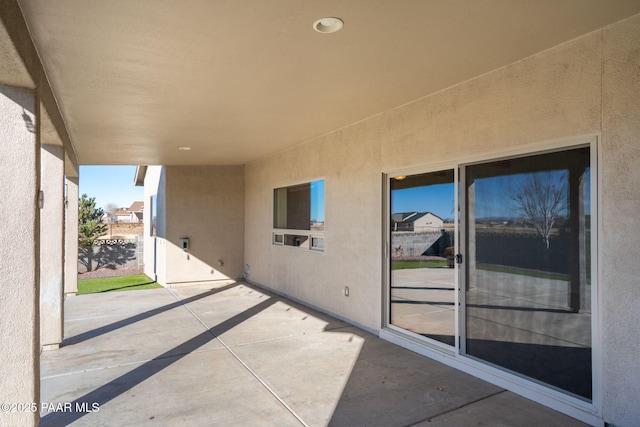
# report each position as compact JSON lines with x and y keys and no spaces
{"x":236,"y":355}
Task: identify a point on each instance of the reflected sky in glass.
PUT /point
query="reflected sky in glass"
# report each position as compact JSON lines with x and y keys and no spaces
{"x":494,"y":194}
{"x":437,"y":199}
{"x":317,"y":200}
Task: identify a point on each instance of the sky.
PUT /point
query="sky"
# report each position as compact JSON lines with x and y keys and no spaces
{"x":317,"y":200}
{"x":437,"y":199}
{"x":492,"y":196}
{"x":114,"y":184}
{"x":110,"y":184}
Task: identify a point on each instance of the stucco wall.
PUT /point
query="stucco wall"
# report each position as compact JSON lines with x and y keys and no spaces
{"x":206,"y":205}
{"x":71,"y":237}
{"x":589,"y":86}
{"x":349,"y":161}
{"x":51,"y":245}
{"x":20,"y":247}
{"x":154,"y":253}
{"x":620,"y":232}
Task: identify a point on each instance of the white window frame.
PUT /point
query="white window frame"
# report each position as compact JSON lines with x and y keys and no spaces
{"x":278,"y":238}
{"x":309,"y":234}
{"x":313,"y":237}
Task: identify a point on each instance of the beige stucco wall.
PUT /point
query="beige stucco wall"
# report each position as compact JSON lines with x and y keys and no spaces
{"x":620,"y":232}
{"x":349,"y":161}
{"x":589,"y":86}
{"x":52,"y":246}
{"x":154,"y":266}
{"x":552,"y":95}
{"x":71,"y":236}
{"x":206,"y":205}
{"x":30,"y":115}
{"x":20,"y":248}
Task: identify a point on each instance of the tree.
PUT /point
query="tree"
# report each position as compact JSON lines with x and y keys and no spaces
{"x":541,"y":198}
{"x":90,"y":225}
{"x":90,"y":228}
{"x":111,"y":209}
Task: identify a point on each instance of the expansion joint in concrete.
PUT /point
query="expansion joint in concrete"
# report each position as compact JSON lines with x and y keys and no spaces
{"x":242,"y":362}
{"x":472,"y":402}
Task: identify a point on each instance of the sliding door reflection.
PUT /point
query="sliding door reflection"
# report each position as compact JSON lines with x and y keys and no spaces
{"x":528,"y":282}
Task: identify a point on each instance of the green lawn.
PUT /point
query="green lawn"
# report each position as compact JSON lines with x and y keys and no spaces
{"x":401,"y":265}
{"x":114,"y":284}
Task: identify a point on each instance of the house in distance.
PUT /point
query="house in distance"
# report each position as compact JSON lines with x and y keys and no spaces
{"x":416,"y":222}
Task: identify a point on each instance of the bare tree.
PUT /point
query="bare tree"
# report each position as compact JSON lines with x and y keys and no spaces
{"x":111,"y":209}
{"x":542,"y":198}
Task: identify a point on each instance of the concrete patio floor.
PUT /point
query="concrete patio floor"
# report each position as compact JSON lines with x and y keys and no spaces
{"x":236,"y":355}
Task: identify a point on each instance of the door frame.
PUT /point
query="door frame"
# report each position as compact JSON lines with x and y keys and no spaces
{"x":588,"y":412}
{"x":386,"y":262}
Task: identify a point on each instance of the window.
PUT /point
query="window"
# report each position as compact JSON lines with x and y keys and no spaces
{"x":278,"y":239}
{"x":317,"y":243}
{"x":152,"y":215}
{"x":300,"y":208}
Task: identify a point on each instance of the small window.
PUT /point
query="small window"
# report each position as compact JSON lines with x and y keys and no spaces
{"x":299,"y":240}
{"x":278,"y":239}
{"x":317,"y":243}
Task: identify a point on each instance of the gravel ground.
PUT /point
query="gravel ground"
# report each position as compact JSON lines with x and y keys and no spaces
{"x":107,"y":272}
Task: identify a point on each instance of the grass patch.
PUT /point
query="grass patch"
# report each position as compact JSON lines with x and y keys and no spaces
{"x":115,"y":284}
{"x":522,"y":271}
{"x":402,"y":265}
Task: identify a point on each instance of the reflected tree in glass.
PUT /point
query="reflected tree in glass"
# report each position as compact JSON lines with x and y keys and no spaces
{"x":527,"y":294}
{"x":541,"y":198}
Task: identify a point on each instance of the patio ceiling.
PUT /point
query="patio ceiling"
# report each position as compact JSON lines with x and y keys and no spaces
{"x":238,"y":80}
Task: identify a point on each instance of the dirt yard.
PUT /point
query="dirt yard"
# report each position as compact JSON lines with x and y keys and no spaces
{"x":123,"y":231}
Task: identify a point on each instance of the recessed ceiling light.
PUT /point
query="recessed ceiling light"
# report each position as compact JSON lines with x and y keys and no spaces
{"x":184,"y":148}
{"x":328,"y":25}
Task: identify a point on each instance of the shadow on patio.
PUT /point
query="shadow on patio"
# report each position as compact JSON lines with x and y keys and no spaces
{"x":239,"y":355}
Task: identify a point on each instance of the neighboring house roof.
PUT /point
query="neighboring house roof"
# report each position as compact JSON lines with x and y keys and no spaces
{"x":136,"y":207}
{"x":409,"y":217}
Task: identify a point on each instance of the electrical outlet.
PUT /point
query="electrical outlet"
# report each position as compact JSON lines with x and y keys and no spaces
{"x":346,"y":291}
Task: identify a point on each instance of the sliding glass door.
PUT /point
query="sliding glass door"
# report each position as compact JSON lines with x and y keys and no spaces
{"x":522,"y":299}
{"x":528,"y":267}
{"x":422,"y":282}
